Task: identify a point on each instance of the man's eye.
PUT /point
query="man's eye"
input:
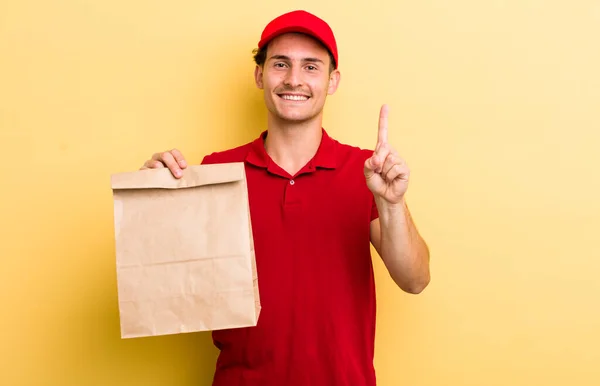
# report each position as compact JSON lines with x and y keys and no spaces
{"x":311,"y":68}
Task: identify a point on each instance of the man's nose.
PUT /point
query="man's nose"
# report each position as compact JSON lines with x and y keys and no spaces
{"x":293,"y":77}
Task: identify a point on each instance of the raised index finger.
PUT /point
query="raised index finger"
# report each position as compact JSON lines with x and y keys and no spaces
{"x":382,"y":134}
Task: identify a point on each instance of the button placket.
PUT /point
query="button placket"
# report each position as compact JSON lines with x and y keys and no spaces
{"x":291,"y":194}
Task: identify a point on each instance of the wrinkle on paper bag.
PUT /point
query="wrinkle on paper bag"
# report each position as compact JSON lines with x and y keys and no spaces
{"x":184,"y":251}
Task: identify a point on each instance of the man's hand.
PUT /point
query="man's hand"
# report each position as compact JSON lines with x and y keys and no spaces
{"x":172,"y":159}
{"x":385,"y":172}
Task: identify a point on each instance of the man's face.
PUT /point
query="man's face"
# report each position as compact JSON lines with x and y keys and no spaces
{"x":296,"y":78}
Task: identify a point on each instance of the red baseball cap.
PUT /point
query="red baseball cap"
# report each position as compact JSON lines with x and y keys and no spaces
{"x":302,"y":22}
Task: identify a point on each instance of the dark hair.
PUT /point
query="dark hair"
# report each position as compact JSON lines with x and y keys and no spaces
{"x":260,"y":56}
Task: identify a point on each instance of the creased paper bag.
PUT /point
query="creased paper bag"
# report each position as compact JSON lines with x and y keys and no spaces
{"x":184,"y":251}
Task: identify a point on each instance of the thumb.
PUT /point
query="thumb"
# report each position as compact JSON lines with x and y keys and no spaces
{"x":371,"y":165}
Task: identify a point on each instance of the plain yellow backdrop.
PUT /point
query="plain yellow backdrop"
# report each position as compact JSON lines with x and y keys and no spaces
{"x":494,"y":104}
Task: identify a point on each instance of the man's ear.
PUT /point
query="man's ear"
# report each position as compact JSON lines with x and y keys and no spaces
{"x":258,"y":76}
{"x":334,"y":81}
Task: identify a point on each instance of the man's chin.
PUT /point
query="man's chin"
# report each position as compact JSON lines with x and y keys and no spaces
{"x":294,"y":118}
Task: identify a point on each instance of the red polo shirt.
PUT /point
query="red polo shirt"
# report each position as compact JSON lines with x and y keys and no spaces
{"x":312,"y":244}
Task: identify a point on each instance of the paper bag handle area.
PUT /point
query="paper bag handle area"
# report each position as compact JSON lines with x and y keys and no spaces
{"x":193,"y":175}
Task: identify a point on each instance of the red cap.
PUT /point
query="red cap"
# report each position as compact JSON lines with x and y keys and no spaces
{"x":302,"y":22}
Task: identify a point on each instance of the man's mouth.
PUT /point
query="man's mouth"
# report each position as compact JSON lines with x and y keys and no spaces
{"x":293,"y":97}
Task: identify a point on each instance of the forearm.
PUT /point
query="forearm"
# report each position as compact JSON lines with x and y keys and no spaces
{"x":402,"y":249}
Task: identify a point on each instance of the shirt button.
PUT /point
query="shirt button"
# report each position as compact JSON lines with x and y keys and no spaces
{"x":292,"y":182}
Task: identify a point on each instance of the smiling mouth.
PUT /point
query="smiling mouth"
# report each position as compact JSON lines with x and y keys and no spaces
{"x":295,"y":98}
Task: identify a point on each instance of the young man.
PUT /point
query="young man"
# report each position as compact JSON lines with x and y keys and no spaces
{"x":316,"y":207}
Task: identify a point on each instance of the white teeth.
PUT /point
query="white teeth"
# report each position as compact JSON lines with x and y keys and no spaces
{"x":294,"y":97}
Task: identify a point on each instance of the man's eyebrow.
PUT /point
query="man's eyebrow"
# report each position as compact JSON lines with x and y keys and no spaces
{"x":280,"y":57}
{"x":313,"y":60}
{"x":284,"y":57}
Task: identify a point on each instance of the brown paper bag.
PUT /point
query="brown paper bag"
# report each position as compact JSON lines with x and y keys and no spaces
{"x":184,"y":251}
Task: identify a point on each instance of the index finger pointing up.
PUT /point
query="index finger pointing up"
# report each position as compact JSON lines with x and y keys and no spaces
{"x":382,"y":134}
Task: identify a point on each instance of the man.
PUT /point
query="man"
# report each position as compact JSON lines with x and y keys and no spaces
{"x":316,"y":206}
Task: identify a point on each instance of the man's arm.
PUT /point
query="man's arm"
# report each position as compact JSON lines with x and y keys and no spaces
{"x":394,"y":234}
{"x":401,"y":247}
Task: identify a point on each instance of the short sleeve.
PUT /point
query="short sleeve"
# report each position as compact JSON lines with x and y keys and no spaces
{"x":208,"y":159}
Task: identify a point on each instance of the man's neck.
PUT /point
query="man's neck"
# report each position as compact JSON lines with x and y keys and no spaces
{"x":292,"y":145}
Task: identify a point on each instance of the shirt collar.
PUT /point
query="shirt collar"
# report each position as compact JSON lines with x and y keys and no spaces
{"x":324,"y":158}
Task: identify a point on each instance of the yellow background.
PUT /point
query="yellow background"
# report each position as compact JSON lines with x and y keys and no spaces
{"x":494,"y":104}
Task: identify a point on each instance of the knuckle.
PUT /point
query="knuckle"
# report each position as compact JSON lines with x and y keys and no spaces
{"x":166,"y":157}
